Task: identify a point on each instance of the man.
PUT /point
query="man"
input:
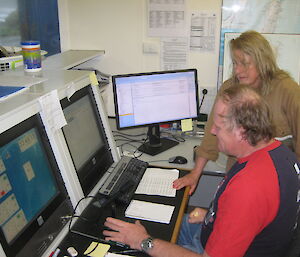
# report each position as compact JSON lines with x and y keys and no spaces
{"x":255,"y":207}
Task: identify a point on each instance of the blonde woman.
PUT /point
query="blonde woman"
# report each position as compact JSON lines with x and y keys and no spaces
{"x":254,"y":65}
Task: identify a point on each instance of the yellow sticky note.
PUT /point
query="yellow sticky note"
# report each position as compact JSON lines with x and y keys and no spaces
{"x":100,"y":249}
{"x":186,"y":125}
{"x":93,"y":79}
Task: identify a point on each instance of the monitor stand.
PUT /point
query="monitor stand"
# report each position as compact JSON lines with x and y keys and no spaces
{"x":156,"y":144}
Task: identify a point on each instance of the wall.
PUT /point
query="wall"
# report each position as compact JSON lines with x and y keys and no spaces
{"x":120,"y":28}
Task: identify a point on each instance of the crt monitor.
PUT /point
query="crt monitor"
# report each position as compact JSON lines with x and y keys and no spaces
{"x":149,"y":99}
{"x":32,"y":194}
{"x":85,"y":137}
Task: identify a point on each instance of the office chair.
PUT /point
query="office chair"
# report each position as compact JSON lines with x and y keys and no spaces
{"x":294,"y":249}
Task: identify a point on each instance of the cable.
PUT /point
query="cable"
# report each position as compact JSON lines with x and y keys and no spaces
{"x":177,"y":138}
{"x":158,"y":161}
{"x":129,"y":135}
{"x":204,"y":92}
{"x":129,"y":140}
{"x":74,"y":211}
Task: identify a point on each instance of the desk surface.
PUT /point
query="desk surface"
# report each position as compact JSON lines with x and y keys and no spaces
{"x":92,"y":219}
{"x":161,"y":160}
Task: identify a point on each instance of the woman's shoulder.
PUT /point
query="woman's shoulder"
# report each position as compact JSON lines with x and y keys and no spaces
{"x":285,"y":90}
{"x":285,"y":80}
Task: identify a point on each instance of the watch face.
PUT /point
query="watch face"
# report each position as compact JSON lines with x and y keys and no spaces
{"x":147,"y":244}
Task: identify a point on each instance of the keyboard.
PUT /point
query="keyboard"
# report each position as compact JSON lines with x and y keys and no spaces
{"x":124,"y":179}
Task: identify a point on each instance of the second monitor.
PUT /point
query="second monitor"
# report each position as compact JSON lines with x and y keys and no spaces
{"x":150,"y":99}
{"x":86,"y":138}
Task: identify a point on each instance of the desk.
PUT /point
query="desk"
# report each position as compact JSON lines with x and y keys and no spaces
{"x":167,"y":232}
{"x":213,"y":171}
{"x":161,"y":160}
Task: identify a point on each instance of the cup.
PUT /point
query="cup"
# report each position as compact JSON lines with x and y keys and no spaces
{"x":32,"y":60}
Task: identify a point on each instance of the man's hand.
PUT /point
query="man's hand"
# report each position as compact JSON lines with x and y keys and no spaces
{"x":197,"y":215}
{"x":190,"y":179}
{"x":124,"y":232}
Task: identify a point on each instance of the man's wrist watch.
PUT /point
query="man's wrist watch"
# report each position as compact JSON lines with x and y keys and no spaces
{"x":147,"y":244}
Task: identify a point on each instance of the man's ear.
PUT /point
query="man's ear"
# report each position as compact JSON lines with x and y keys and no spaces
{"x":240,"y":134}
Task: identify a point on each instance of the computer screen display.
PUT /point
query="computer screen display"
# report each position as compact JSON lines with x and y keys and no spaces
{"x":86,"y":138}
{"x":156,"y":97}
{"x":143,"y":99}
{"x":31,"y":188}
{"x":27,"y":184}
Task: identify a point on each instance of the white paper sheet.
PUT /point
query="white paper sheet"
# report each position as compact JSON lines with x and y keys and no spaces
{"x":52,"y":112}
{"x":203,"y":31}
{"x":149,"y":211}
{"x":158,"y":182}
{"x":174,"y":53}
{"x":167,"y":18}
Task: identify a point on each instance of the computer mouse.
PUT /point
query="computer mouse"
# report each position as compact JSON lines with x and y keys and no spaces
{"x":178,"y":160}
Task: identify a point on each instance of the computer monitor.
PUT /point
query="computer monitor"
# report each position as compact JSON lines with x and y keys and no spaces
{"x":150,"y":99}
{"x":32,"y":194}
{"x":85,"y":137}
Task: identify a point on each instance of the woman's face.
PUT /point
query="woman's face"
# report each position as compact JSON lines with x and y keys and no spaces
{"x":245,"y":69}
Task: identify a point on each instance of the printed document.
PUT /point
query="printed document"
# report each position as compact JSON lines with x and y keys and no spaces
{"x":158,"y":182}
{"x":149,"y":211}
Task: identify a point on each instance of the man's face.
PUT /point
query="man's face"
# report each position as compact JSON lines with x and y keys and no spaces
{"x":227,"y":138}
{"x":245,"y":69}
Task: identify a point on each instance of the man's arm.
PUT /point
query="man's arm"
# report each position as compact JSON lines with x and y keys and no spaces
{"x":165,"y":249}
{"x":134,"y":234}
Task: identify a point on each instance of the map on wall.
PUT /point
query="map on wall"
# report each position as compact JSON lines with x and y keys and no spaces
{"x":265,"y":16}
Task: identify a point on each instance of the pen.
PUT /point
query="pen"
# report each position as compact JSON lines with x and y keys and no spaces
{"x":115,"y":243}
{"x":56,"y":252}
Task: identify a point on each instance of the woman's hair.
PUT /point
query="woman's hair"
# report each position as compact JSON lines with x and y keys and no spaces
{"x":255,"y":45}
{"x":247,"y":110}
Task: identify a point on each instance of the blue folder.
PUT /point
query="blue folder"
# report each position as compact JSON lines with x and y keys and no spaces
{"x":7,"y":90}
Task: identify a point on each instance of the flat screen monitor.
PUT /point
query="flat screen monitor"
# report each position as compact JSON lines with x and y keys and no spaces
{"x":149,"y":99}
{"x":85,"y":137}
{"x":32,"y":193}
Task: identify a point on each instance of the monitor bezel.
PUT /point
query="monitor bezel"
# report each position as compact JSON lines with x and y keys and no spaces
{"x":96,"y":166}
{"x":34,"y":226}
{"x":114,"y":77}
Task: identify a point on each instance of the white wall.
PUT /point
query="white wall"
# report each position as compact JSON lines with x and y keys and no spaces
{"x":120,"y":28}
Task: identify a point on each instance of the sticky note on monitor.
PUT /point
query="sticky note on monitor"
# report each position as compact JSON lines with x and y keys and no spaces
{"x":93,"y":79}
{"x":186,"y":125}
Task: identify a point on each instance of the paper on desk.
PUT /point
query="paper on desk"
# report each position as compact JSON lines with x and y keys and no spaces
{"x":149,"y":211}
{"x":100,"y":250}
{"x":158,"y":182}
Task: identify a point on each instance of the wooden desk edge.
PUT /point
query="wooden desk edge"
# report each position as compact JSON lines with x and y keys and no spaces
{"x":180,"y":215}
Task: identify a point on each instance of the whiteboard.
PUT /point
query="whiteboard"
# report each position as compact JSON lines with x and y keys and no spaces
{"x":285,"y":46}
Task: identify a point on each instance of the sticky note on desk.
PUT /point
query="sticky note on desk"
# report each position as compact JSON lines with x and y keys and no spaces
{"x":186,"y":125}
{"x":100,"y":249}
